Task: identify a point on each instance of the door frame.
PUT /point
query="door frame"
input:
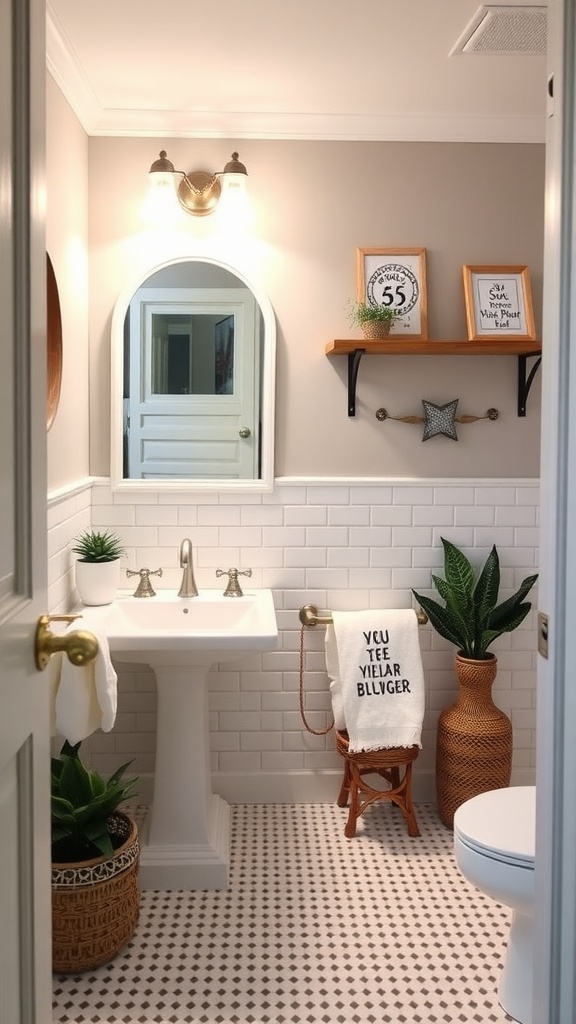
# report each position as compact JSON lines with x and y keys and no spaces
{"x":555,"y":883}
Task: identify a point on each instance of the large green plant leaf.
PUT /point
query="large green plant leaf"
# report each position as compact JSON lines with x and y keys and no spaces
{"x":63,"y":811}
{"x":459,"y":573}
{"x":485,"y":597}
{"x":487,"y":587}
{"x":100,"y":836}
{"x":470,"y":619}
{"x":443,"y":620}
{"x":490,"y":635}
{"x":75,"y":782}
{"x":506,"y":611}
{"x":458,"y":611}
{"x":118,"y":774}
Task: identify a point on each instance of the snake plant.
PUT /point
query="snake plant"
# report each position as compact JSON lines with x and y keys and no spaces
{"x":82,"y":804}
{"x":471,"y":618}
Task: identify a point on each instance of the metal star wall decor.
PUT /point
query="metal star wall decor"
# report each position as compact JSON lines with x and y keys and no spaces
{"x":439,"y":419}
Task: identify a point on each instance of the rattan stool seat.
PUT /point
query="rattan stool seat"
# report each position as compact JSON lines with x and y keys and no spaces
{"x":394,"y":765}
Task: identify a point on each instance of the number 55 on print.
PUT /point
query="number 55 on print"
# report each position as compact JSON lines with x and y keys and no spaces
{"x":396,"y":278}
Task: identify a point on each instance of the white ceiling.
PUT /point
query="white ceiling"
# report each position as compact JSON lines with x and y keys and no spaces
{"x":304,"y":69}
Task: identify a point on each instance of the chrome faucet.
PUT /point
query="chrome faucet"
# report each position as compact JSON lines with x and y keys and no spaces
{"x":188,"y":586}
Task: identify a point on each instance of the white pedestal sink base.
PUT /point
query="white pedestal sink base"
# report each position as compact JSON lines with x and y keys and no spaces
{"x":192,"y":866}
{"x":186,"y":839}
{"x":185,"y":844}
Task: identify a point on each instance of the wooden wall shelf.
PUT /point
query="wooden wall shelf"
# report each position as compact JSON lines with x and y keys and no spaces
{"x":523,"y":350}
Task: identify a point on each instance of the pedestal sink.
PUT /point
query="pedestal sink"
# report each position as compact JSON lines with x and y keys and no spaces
{"x":186,"y":839}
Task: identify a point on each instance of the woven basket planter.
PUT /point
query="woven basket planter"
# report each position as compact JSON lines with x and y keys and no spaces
{"x":95,"y":903}
{"x":375,"y":330}
{"x":474,"y":740}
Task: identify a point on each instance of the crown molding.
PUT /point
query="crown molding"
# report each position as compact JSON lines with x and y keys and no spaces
{"x":66,"y":71}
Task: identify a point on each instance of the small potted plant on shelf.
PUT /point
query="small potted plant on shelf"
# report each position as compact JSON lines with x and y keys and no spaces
{"x":474,"y":738}
{"x":97,"y":568}
{"x":374,"y":321}
{"x":95,"y":864}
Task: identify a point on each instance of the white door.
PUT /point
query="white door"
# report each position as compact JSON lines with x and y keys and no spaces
{"x":25,"y":956}
{"x":555,"y":877}
{"x":194,"y":395}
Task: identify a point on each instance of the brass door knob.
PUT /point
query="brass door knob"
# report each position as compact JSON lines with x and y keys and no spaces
{"x":80,"y":646}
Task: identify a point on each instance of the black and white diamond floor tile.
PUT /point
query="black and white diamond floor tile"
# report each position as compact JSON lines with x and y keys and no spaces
{"x":313,"y":929}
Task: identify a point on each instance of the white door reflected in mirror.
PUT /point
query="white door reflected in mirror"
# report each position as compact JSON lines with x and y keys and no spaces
{"x":193,"y":381}
{"x":191,"y":384}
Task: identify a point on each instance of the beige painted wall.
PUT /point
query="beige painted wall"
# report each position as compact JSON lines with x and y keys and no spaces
{"x":67,"y":245}
{"x":314,"y":203}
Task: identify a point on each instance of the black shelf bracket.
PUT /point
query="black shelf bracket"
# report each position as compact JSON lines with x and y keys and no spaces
{"x":525,"y":380}
{"x":353,"y":367}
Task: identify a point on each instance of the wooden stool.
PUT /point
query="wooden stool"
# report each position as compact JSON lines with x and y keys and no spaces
{"x":387,"y":764}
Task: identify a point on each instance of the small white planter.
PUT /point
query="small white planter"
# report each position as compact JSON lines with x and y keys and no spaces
{"x":97,"y":582}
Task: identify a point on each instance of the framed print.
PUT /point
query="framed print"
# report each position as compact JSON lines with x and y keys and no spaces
{"x":498,"y":303}
{"x":396,"y":278}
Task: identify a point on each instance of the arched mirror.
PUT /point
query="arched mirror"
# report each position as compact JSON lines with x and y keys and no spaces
{"x":193,"y":356}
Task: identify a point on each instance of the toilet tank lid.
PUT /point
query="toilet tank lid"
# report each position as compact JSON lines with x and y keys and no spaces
{"x":502,"y":820}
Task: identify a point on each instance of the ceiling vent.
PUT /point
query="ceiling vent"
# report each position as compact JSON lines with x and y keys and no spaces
{"x":504,"y":31}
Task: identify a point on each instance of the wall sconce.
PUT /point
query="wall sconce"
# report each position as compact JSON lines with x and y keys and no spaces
{"x":199,"y":192}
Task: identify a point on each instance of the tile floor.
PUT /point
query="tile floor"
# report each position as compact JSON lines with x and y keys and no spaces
{"x":314,"y":929}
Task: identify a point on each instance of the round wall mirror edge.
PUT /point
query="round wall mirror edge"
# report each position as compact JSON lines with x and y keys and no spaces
{"x":265,"y":480}
{"x":53,"y":344}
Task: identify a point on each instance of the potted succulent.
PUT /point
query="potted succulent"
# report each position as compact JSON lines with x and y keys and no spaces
{"x":97,"y":568}
{"x":374,"y":321}
{"x":474,"y":740}
{"x":95,"y":864}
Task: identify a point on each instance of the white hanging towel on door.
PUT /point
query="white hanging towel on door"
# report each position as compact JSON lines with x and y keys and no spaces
{"x":84,"y":698}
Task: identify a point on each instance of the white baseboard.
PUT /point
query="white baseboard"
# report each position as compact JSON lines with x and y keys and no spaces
{"x":305,"y":787}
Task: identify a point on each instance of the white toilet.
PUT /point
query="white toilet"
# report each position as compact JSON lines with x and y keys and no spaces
{"x":494,"y":845}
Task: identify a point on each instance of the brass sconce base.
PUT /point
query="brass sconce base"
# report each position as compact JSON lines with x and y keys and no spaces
{"x":199,"y":192}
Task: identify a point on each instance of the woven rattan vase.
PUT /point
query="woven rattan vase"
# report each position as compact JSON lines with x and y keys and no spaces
{"x":95,"y":904}
{"x":474,"y":740}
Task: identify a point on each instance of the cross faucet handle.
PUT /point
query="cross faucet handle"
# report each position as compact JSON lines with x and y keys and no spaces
{"x":144,"y":588}
{"x":233,"y":588}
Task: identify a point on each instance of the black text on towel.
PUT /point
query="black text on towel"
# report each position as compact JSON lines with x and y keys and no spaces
{"x":373,"y":659}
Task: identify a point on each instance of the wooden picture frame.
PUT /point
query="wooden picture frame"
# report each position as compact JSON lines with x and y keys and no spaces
{"x":396,"y":277}
{"x":498,"y":303}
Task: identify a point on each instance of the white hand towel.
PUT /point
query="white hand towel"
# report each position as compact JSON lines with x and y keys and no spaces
{"x":54,"y":673}
{"x":105,"y":682}
{"x":86,"y":697}
{"x":379,"y":680}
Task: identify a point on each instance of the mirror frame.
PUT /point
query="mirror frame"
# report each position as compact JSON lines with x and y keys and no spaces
{"x":53,"y":344}
{"x":265,"y":481}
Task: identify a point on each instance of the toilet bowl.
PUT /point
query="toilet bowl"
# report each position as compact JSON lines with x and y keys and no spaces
{"x":494,"y":846}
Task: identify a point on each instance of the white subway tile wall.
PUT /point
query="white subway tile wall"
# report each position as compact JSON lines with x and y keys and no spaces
{"x":347,"y":546}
